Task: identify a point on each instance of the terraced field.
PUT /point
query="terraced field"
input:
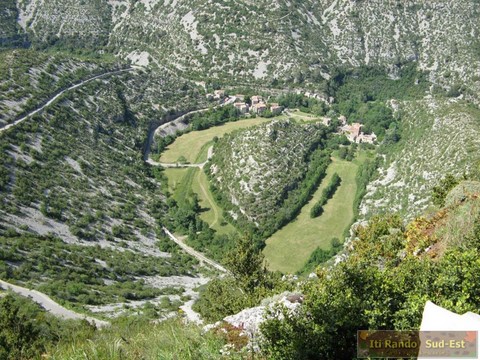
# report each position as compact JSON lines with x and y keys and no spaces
{"x":290,"y":247}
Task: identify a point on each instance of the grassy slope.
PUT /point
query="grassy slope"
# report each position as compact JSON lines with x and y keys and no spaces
{"x":181,"y":182}
{"x":213,"y":215}
{"x":190,"y":145}
{"x":289,"y":248}
{"x":171,"y":339}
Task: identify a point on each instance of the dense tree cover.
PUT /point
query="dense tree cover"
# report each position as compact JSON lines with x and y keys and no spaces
{"x":361,"y":95}
{"x":327,"y":194}
{"x":365,"y":174}
{"x":440,"y":191}
{"x":364,"y":84}
{"x":382,"y":284}
{"x":305,"y":104}
{"x":320,"y":256}
{"x":213,"y":117}
{"x":247,"y":284}
{"x":347,"y":152}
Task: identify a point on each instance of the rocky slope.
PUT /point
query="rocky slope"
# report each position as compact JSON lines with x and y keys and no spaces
{"x":439,"y":136}
{"x":291,"y":40}
{"x":257,"y":169}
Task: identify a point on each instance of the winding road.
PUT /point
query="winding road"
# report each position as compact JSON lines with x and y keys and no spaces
{"x":170,"y":127}
{"x":202,"y":258}
{"x":51,"y":306}
{"x":180,"y":165}
{"x":52,"y":100}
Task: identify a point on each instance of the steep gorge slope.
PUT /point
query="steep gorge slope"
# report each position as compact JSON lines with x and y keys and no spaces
{"x":264,"y":40}
{"x":76,"y":169}
{"x":439,"y":136}
{"x":79,"y":209}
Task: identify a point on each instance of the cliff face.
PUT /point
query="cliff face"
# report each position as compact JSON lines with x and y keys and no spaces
{"x":263,"y":40}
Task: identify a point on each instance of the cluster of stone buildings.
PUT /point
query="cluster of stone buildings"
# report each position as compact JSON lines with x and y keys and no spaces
{"x":258,"y":105}
{"x":354,"y":132}
{"x":217,"y":95}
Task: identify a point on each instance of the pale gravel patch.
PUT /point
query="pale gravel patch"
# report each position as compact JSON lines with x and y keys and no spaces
{"x":40,"y":224}
{"x":74,"y":164}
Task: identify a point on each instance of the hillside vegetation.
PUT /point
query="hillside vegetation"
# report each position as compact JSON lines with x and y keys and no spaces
{"x":295,"y":41}
{"x":259,"y":174}
{"x":390,"y":271}
{"x":29,"y":78}
{"x":87,"y":184}
{"x":438,"y":136}
{"x":75,"y":171}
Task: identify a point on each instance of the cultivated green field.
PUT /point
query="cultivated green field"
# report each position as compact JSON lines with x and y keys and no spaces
{"x":182,"y":183}
{"x":290,"y":247}
{"x":190,"y":145}
{"x":213,"y":215}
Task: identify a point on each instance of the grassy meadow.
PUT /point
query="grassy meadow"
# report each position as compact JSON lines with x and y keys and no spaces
{"x":290,"y":247}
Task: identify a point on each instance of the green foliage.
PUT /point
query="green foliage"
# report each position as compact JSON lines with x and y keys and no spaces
{"x":246,"y":263}
{"x":10,"y":35}
{"x":248,"y":283}
{"x":138,"y":338}
{"x":75,"y":274}
{"x":220,"y":298}
{"x":272,"y":208}
{"x":305,"y":104}
{"x":365,"y":174}
{"x":221,"y":115}
{"x":327,"y":194}
{"x":31,"y":77}
{"x":440,"y":192}
{"x":320,"y":256}
{"x":27,"y":331}
{"x":382,"y":285}
{"x":365,"y":84}
{"x":360,"y":94}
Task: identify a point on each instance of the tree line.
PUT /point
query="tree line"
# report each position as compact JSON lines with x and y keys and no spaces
{"x":327,"y":194}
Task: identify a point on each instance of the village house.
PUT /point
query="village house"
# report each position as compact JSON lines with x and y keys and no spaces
{"x":256,"y":99}
{"x":354,"y":134}
{"x":275,"y":108}
{"x":259,"y":108}
{"x":367,"y":138}
{"x":241,"y":106}
{"x":326,"y":121}
{"x":352,"y":131}
{"x":218,"y":94}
